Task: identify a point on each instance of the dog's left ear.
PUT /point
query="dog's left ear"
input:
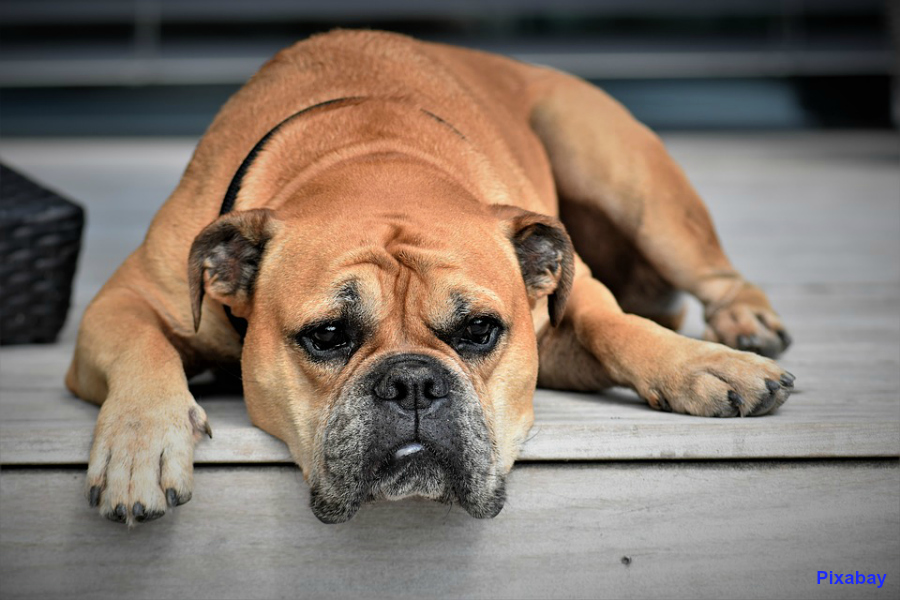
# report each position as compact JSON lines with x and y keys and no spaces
{"x":225,"y":257}
{"x":545,"y":255}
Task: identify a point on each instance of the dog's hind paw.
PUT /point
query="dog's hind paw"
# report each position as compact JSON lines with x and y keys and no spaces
{"x":142,"y":458}
{"x":746,"y":321}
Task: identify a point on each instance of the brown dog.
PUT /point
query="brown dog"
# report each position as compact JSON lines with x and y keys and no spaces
{"x":387,"y":266}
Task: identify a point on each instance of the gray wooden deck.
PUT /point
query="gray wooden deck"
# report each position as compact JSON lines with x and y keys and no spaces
{"x":703,"y":507}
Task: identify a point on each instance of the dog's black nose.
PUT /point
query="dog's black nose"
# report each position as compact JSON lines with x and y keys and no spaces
{"x":412,"y":384}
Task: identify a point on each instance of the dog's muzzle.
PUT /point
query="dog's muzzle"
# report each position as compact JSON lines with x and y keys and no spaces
{"x":410,"y":426}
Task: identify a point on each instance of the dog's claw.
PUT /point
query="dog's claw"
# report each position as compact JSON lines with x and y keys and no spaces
{"x":787,"y":380}
{"x":94,"y":499}
{"x":768,"y":400}
{"x":198,"y":419}
{"x":119,"y":515}
{"x":174,"y":499}
{"x":664,"y":405}
{"x":153,"y":515}
{"x":142,"y":515}
{"x":736,"y":402}
{"x":749,"y":343}
{"x":785,"y":339}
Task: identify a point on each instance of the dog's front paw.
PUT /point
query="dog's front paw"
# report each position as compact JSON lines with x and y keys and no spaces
{"x":142,"y":459}
{"x":709,"y":380}
{"x":745,"y":320}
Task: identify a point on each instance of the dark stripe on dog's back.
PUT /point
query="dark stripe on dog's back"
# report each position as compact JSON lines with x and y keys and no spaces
{"x":235,"y":186}
{"x":443,"y":122}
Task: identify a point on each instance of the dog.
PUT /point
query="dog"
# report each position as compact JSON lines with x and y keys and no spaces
{"x":398,"y":241}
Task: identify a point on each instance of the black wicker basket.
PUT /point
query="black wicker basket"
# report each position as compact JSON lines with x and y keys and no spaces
{"x":40,"y":236}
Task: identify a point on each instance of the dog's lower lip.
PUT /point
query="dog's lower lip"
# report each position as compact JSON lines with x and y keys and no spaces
{"x":408,"y":449}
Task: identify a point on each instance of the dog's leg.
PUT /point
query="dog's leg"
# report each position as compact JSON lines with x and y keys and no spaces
{"x":142,"y":455}
{"x":603,"y":159}
{"x":602,"y":346}
{"x":613,"y":259}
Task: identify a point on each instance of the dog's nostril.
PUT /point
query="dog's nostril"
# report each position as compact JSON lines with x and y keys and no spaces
{"x":436,"y":388}
{"x":388,"y":388}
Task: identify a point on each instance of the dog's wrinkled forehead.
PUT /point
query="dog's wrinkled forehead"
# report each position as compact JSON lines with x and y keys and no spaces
{"x":383,"y":270}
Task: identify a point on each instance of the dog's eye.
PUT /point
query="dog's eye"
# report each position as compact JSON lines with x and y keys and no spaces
{"x":329,"y":337}
{"x":478,"y":335}
{"x":327,"y":340}
{"x":478,"y":331}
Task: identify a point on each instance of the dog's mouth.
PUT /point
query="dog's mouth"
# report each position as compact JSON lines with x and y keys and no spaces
{"x":413,"y":470}
{"x":372,"y":451}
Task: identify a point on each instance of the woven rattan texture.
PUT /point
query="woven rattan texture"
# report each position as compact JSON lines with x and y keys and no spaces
{"x":40,"y":237}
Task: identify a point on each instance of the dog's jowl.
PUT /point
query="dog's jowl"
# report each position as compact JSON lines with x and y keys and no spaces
{"x":398,"y":241}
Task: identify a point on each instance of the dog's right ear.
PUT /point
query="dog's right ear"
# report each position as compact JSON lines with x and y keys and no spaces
{"x":225,"y":258}
{"x":545,"y":255}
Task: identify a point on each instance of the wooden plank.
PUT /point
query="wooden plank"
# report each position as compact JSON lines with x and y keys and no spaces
{"x":801,"y":207}
{"x":690,"y":530}
{"x":46,"y":427}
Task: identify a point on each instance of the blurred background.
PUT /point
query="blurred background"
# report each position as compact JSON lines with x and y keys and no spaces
{"x":164,"y":67}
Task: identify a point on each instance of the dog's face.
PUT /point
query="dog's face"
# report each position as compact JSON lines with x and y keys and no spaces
{"x":390,"y":340}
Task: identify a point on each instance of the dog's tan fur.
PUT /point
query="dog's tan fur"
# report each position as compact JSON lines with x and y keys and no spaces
{"x":408,"y":188}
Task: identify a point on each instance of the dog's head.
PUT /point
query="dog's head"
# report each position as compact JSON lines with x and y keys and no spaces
{"x":390,"y":340}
